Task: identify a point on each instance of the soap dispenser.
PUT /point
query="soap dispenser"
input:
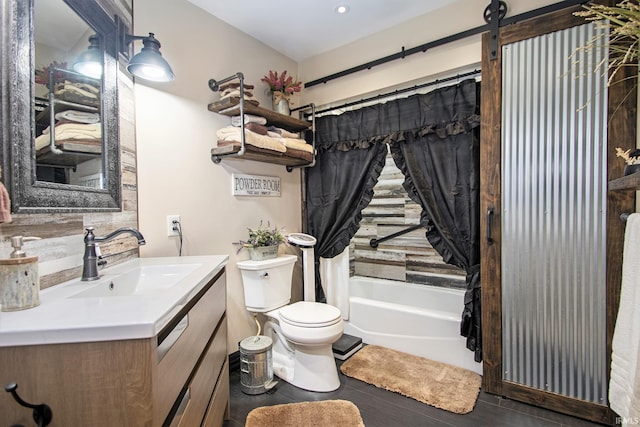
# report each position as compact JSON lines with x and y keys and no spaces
{"x":19,"y":278}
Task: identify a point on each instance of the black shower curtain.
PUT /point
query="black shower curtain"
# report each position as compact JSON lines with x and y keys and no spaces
{"x":441,"y":165}
{"x":434,"y":141}
{"x":339,"y":186}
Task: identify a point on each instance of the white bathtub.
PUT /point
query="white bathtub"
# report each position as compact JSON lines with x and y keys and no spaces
{"x":422,"y":320}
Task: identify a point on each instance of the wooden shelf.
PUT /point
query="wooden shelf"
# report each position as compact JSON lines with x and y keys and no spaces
{"x":629,"y":182}
{"x":255,"y":154}
{"x":232,"y":149}
{"x":230,"y":107}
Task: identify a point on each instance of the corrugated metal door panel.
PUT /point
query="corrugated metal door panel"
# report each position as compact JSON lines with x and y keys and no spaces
{"x":554,"y":214}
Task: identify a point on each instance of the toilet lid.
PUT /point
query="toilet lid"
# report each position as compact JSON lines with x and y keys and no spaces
{"x":310,"y":314}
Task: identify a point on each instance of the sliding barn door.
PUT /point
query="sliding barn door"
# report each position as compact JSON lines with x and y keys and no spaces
{"x":545,"y":267}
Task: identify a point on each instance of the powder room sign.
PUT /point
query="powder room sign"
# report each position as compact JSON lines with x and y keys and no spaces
{"x":255,"y":185}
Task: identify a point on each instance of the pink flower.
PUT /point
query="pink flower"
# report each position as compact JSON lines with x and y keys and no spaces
{"x":282,"y":83}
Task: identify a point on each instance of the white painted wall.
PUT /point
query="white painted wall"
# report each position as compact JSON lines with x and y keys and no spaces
{"x":175,"y":132}
{"x":460,"y":16}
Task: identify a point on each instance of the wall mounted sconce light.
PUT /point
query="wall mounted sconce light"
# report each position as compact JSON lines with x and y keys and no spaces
{"x":148,"y":64}
{"x":89,"y":62}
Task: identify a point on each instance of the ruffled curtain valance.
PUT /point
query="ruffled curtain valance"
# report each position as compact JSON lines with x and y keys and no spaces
{"x":443,"y":112}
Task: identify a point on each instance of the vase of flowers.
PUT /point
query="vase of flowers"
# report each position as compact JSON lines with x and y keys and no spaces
{"x":262,"y":243}
{"x":282,"y":87}
{"x":52,"y":73}
{"x":631,"y":158}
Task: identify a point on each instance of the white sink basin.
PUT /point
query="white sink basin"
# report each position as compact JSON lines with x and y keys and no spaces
{"x":134,"y":299}
{"x":141,"y":280}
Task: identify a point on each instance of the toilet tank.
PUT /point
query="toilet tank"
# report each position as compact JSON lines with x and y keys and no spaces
{"x":267,"y":284}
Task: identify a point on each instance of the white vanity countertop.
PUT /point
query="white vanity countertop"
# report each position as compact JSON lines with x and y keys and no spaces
{"x":62,"y":317}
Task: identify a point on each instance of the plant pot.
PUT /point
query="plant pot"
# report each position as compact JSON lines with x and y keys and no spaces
{"x":629,"y":169}
{"x":263,"y":252}
{"x":282,"y":106}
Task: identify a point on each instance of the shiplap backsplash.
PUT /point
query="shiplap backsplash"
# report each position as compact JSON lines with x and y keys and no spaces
{"x":407,"y":258}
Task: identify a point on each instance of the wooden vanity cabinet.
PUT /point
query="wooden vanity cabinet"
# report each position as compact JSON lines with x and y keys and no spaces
{"x":178,"y":378}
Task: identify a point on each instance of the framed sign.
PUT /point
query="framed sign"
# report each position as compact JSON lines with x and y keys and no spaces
{"x":255,"y":185}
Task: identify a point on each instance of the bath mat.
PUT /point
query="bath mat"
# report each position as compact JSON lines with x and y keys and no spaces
{"x":324,"y":413}
{"x":437,"y":384}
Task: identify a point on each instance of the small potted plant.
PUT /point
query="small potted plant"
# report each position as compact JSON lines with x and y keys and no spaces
{"x":631,"y":158}
{"x":262,"y":243}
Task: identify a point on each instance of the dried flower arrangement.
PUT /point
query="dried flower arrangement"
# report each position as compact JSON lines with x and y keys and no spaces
{"x":630,"y":157}
{"x":42,"y":75}
{"x":623,"y":22}
{"x":281,"y":86}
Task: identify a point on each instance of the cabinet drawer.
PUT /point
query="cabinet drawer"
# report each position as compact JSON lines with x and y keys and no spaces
{"x":219,"y":407}
{"x":188,"y":341}
{"x":203,"y":383}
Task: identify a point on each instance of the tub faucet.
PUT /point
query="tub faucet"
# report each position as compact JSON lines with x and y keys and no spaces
{"x":90,"y":258}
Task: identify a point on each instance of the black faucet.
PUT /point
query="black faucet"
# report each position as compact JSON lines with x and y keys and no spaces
{"x":90,"y":259}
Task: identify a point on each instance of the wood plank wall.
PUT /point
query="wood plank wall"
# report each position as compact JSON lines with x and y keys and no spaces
{"x":61,"y":246}
{"x":407,"y":258}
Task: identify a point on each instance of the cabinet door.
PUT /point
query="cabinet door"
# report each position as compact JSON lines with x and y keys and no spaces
{"x":204,"y":381}
{"x":219,"y":407}
{"x":177,"y":364}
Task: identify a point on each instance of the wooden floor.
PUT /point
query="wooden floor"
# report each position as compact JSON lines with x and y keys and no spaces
{"x":380,"y":408}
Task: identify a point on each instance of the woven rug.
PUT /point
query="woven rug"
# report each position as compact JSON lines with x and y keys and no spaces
{"x":437,"y":384}
{"x":325,"y":413}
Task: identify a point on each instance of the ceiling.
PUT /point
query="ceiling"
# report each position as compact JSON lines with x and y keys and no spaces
{"x":57,"y":25}
{"x":302,"y":29}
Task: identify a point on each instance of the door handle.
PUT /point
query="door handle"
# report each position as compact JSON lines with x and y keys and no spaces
{"x":489,"y":215}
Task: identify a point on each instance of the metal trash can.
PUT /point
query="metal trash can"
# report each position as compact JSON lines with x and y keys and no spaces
{"x":256,"y":365}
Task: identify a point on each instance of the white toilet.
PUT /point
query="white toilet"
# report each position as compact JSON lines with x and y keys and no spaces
{"x":302,"y":333}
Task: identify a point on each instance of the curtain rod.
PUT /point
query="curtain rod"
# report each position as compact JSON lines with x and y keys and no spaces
{"x":454,"y":37}
{"x":395,"y":92}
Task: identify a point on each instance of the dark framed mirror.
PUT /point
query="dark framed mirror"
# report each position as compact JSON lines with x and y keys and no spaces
{"x":40,"y":173}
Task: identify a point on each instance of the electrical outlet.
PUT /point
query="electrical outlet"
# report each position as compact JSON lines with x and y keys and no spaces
{"x":171,"y":225}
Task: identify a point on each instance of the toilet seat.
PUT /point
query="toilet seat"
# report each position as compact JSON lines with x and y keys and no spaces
{"x":306,"y":314}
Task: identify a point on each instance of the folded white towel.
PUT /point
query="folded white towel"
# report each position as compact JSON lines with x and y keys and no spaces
{"x":295,"y":143}
{"x":248,"y":118}
{"x":283,"y":132}
{"x":78,"y":116}
{"x":235,"y":93}
{"x":81,"y":89}
{"x":624,"y":385}
{"x":232,"y":133}
{"x":70,"y":131}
